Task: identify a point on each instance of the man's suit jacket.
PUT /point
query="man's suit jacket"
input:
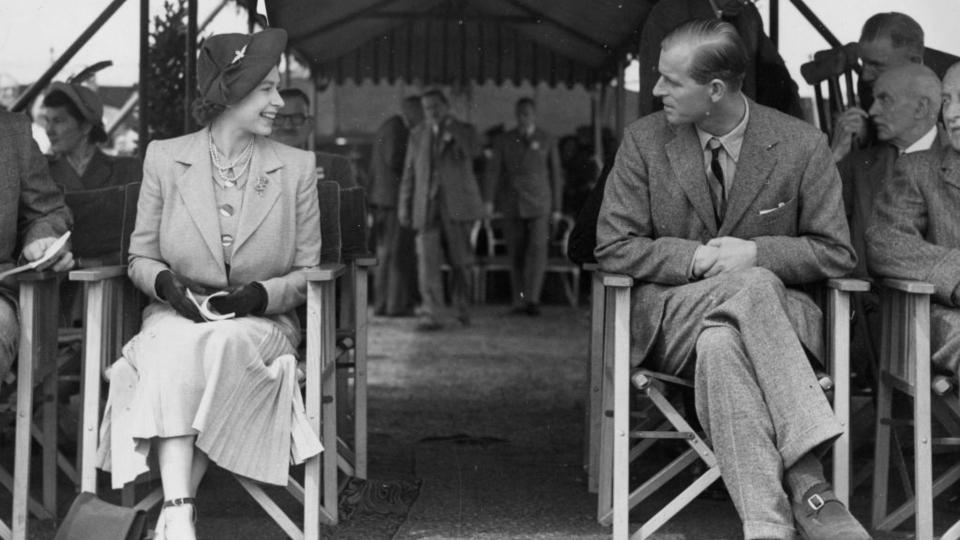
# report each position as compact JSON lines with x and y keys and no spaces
{"x":31,"y":204}
{"x":864,"y":173}
{"x":915,"y":231}
{"x":336,"y":168}
{"x":102,"y":171}
{"x":449,"y":156}
{"x":524,"y":174}
{"x":178,"y":228}
{"x":768,"y":80}
{"x":386,"y":164}
{"x":786,"y":197}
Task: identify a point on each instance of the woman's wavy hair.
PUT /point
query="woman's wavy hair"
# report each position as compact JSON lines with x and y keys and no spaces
{"x":205,"y":111}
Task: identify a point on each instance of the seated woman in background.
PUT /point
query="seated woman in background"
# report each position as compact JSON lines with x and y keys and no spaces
{"x":221,"y":209}
{"x":74,"y":118}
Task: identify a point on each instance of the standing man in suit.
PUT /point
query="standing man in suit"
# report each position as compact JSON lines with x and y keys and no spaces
{"x":887,"y":40}
{"x":293,"y":128}
{"x":32,"y":215}
{"x":526,"y":166}
{"x":440,"y":198}
{"x":715,"y":205}
{"x":395,"y":276}
{"x":915,"y":231}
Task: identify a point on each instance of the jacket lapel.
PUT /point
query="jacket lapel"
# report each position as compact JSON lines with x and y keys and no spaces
{"x":261,"y":192}
{"x":195,"y":186}
{"x":757,"y":159}
{"x":686,"y":158}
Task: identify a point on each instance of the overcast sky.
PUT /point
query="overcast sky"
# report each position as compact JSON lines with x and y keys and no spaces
{"x":34,"y":32}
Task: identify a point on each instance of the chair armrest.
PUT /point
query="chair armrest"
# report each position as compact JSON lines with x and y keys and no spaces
{"x":325,"y":272}
{"x":366,"y":262}
{"x":909,"y":286}
{"x":616,"y":280}
{"x":849,"y":284}
{"x":31,"y":275}
{"x":98,"y":273}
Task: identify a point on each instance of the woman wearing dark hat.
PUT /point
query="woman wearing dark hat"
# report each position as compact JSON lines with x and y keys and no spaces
{"x":74,"y":115}
{"x":222,"y":209}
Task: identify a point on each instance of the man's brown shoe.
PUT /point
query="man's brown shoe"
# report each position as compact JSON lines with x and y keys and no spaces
{"x":821,"y":516}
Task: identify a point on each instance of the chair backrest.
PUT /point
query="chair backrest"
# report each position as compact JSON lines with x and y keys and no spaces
{"x":494,"y":240}
{"x":103,"y":220}
{"x":560,"y":237}
{"x":828,"y":68}
{"x":331,"y":242}
{"x":353,"y":223}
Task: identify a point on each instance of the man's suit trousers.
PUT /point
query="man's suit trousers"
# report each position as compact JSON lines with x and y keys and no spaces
{"x":757,"y":396}
{"x":528,"y":240}
{"x":395,"y":276}
{"x":449,"y":240}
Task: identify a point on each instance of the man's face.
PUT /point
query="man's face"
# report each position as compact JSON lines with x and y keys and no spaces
{"x":894,"y":108}
{"x":294,"y":123}
{"x":526,"y":116}
{"x":684,"y":100}
{"x":951,"y":105}
{"x":880,"y":55}
{"x":434,"y":110}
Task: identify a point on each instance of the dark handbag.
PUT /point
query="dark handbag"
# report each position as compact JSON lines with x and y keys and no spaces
{"x":91,"y":518}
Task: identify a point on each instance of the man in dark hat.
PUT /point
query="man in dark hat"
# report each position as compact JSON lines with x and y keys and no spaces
{"x":32,"y":214}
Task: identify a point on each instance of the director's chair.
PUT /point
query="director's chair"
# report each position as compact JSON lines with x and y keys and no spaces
{"x":661,"y":416}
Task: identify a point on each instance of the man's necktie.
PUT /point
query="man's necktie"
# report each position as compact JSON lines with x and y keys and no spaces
{"x":718,"y":188}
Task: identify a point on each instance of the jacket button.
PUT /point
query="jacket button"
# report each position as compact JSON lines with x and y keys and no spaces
{"x":226,"y":210}
{"x":226,"y":240}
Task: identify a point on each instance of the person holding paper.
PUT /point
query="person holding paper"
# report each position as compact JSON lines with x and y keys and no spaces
{"x":32,"y":214}
{"x":222,"y":209}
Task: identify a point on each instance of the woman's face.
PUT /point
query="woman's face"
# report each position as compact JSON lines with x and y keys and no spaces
{"x":257,"y":112}
{"x":64,"y":131}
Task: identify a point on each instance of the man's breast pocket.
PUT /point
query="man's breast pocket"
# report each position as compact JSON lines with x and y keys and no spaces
{"x":779,"y":218}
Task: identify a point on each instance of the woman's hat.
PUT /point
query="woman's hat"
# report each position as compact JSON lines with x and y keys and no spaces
{"x":232,"y":65}
{"x":85,"y":99}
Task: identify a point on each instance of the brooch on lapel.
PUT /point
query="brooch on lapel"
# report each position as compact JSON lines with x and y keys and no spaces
{"x":261,"y":185}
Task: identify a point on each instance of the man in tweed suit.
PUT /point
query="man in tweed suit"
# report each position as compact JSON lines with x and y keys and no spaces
{"x":440,"y":198}
{"x":525,"y":165}
{"x":715,"y":205}
{"x":32,"y":215}
{"x":915,"y":231}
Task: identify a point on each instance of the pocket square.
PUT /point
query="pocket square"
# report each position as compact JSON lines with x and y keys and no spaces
{"x":768,"y":210}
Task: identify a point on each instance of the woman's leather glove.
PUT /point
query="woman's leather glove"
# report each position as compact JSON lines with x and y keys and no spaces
{"x":249,"y":299}
{"x":170,"y":288}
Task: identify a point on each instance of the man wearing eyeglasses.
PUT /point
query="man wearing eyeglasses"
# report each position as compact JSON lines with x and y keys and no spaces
{"x":293,"y":127}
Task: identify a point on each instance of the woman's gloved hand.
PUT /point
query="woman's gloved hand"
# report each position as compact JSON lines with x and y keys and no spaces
{"x":170,"y":288}
{"x":248,"y":299}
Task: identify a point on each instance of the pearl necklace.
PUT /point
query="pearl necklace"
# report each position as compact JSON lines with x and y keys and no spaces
{"x":238,"y":165}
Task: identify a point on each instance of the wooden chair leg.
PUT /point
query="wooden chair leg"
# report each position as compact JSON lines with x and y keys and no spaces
{"x":621,"y":414}
{"x":360,"y":374}
{"x":605,"y":470}
{"x":881,"y":451}
{"x":594,"y":405}
{"x":838,"y":336}
{"x":923,"y":433}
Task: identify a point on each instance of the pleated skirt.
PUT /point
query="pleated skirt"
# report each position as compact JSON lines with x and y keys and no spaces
{"x":232,"y":384}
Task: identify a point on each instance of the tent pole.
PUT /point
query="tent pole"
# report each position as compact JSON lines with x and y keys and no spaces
{"x":190,"y":67}
{"x":775,"y":23}
{"x":621,"y":99}
{"x":143,"y":131}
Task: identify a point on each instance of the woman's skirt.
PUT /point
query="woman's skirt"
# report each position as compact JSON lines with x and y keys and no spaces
{"x":231,"y":383}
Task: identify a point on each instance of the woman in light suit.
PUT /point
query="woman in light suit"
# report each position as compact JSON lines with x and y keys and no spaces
{"x":222,"y":209}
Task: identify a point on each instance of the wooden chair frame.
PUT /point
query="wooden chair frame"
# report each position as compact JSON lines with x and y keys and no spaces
{"x":615,"y":499}
{"x":318,"y":491}
{"x":905,"y":366}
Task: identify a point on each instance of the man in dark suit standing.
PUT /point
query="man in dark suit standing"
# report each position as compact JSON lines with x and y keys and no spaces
{"x":32,"y":215}
{"x":395,"y":277}
{"x":525,"y":177}
{"x":714,"y":206}
{"x":915,"y":231}
{"x":293,"y":127}
{"x":440,"y":198}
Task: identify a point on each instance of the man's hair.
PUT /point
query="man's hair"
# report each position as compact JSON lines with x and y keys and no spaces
{"x":922,"y":83}
{"x":526,"y":101}
{"x":293,"y":93}
{"x":719,"y":51}
{"x":903,"y":31}
{"x":436,"y":94}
